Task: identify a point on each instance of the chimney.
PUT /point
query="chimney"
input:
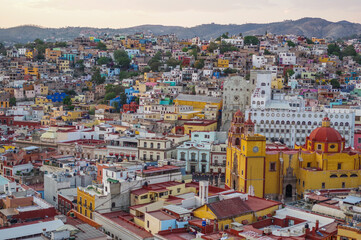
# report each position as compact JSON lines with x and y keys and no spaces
{"x":203,"y":192}
{"x":317,"y":224}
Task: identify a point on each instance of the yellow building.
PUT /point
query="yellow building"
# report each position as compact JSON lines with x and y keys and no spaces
{"x":200,"y":126}
{"x":244,"y":210}
{"x":52,"y":55}
{"x":277,"y":172}
{"x":348,"y":232}
{"x":223,"y":63}
{"x":63,"y":65}
{"x":33,"y":71}
{"x":41,"y":100}
{"x":4,"y":104}
{"x":277,"y":83}
{"x":72,"y":116}
{"x":198,"y":102}
{"x":4,"y":148}
{"x":161,"y":191}
{"x":89,"y":198}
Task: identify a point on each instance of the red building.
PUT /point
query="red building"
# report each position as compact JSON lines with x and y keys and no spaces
{"x":132,"y":107}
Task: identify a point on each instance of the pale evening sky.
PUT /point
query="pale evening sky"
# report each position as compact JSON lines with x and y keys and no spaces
{"x":126,"y":13}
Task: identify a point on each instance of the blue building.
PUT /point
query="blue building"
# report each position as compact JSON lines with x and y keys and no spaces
{"x":113,"y":102}
{"x":57,"y":97}
{"x":129,"y":93}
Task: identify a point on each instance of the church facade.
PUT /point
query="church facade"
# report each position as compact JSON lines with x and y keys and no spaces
{"x":277,"y":172}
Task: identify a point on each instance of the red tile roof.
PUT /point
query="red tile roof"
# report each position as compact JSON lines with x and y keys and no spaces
{"x":235,"y":207}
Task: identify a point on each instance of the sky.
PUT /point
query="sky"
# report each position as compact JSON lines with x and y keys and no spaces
{"x":188,"y":13}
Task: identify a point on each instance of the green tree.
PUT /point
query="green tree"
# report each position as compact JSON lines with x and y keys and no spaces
{"x":291,"y":44}
{"x":266,"y":52}
{"x":333,"y":49}
{"x":2,"y":49}
{"x":101,"y":46}
{"x":185,"y":49}
{"x":335,"y":83}
{"x":154,"y":63}
{"x":12,"y":101}
{"x":251,"y":40}
{"x":194,"y":53}
{"x":123,"y":98}
{"x":97,"y":78}
{"x":309,"y":41}
{"x":122,"y":59}
{"x":227,"y":47}
{"x":199,"y":64}
{"x":349,"y":51}
{"x":172,"y":62}
{"x":110,"y":96}
{"x":67,"y":101}
{"x":103,"y":60}
{"x":146,"y":69}
{"x":91,"y":111}
{"x":212,"y":46}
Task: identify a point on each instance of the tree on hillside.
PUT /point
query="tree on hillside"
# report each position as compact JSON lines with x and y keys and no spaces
{"x":122,"y":59}
{"x":251,"y":40}
{"x":103,"y":60}
{"x":291,"y":44}
{"x":333,"y":49}
{"x":101,"y":46}
{"x":97,"y":78}
{"x":335,"y":83}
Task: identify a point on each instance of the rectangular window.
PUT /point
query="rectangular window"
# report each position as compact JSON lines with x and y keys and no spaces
{"x":319,"y":147}
{"x":308,"y":164}
{"x":145,"y":144}
{"x":323,"y":185}
{"x":339,"y":166}
{"x":272,"y":167}
{"x":343,"y":185}
{"x":147,"y":224}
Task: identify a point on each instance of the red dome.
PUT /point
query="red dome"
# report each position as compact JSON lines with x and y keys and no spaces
{"x":238,"y":113}
{"x":325,"y":134}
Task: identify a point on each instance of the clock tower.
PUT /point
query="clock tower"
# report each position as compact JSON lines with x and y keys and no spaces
{"x":245,"y":170}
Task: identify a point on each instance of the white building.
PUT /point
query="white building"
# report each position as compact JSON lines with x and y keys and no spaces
{"x":258,"y":61}
{"x":287,"y":58}
{"x":294,"y":126}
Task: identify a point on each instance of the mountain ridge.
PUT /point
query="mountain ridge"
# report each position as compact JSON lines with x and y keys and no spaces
{"x":309,"y":27}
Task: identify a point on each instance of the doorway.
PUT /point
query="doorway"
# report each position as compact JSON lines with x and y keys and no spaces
{"x":289,"y":191}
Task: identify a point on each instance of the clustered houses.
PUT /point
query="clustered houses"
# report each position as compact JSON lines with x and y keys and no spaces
{"x":154,"y":137}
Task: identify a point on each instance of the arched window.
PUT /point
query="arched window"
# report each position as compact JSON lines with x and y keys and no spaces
{"x":336,"y":123}
{"x":347,"y":124}
{"x":354,"y":175}
{"x":309,"y":123}
{"x":333,"y":176}
{"x":288,"y":122}
{"x":183,"y":156}
{"x":298,"y":123}
{"x":343,"y":175}
{"x":341,"y":124}
{"x":282,"y":122}
{"x":277,"y":122}
{"x":238,"y":130}
{"x":262,"y":121}
{"x":204,"y":157}
{"x":303,"y":123}
{"x":193,"y":156}
{"x":237,"y":142}
{"x":267,"y":122}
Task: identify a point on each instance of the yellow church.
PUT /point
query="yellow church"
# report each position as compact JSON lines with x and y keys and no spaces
{"x":274,"y":171}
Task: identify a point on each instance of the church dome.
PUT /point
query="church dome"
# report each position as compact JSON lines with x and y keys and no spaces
{"x":325,"y":133}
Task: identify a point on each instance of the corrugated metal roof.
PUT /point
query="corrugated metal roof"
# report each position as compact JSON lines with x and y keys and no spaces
{"x":31,"y":229}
